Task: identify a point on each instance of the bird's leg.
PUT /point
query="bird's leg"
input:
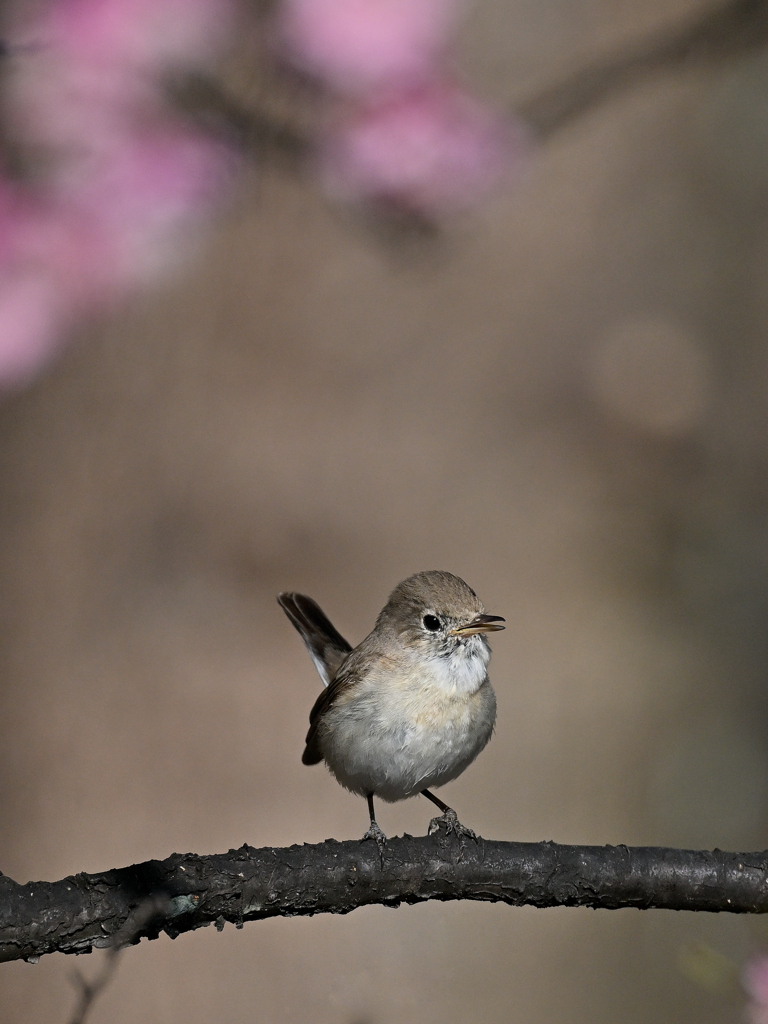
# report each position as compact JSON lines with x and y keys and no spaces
{"x":449,"y":818}
{"x":374,"y":832}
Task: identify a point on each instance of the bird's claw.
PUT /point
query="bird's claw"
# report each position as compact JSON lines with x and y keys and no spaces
{"x":375,"y":833}
{"x":450,"y":821}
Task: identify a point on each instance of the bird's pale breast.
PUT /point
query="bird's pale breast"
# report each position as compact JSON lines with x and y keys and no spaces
{"x":394,"y":734}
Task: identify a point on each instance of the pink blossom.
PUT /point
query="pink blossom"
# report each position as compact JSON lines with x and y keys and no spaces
{"x":754,"y":977}
{"x":31,"y":311}
{"x":138,"y":32}
{"x":355,"y":46}
{"x":403,"y":135}
{"x":76,"y":108}
{"x":757,"y":1013}
{"x":138,"y":196}
{"x":122,"y":174}
{"x":433,"y":151}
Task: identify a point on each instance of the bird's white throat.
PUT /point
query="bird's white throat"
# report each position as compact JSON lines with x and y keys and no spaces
{"x":463,"y":670}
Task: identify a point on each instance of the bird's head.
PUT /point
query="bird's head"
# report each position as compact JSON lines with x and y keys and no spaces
{"x":435,"y":613}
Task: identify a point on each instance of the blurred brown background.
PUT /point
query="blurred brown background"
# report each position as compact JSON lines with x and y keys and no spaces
{"x":564,"y":402}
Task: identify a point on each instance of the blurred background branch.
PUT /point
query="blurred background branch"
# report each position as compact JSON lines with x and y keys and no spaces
{"x":135,"y":924}
{"x":725,"y":31}
{"x":271,"y":129}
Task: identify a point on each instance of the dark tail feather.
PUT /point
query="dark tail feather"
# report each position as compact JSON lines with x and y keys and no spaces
{"x":324,"y":642}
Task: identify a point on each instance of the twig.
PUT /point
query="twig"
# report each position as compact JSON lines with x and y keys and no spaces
{"x":85,"y":911}
{"x":135,"y":925}
{"x":736,"y":27}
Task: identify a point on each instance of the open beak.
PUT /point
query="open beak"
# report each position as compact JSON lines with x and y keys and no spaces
{"x":480,"y":624}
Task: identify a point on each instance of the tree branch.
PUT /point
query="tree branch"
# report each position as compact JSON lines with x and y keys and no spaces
{"x":85,"y":911}
{"x":737,"y":27}
{"x":281,"y":130}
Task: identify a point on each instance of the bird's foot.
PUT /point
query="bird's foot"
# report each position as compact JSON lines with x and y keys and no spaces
{"x":450,"y":821}
{"x":375,"y":833}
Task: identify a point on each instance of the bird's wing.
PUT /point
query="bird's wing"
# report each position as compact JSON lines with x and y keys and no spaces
{"x":326,"y":645}
{"x":347,"y":677}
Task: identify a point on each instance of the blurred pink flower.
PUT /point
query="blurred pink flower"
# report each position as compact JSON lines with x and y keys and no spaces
{"x":121,"y":175}
{"x":754,"y":978}
{"x":403,"y":135}
{"x":138,"y":32}
{"x":59,"y":104}
{"x":355,"y":46}
{"x":140,"y":195}
{"x":433,"y":151}
{"x":31,"y":311}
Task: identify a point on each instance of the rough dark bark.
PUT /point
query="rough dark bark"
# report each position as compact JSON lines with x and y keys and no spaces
{"x":85,"y":911}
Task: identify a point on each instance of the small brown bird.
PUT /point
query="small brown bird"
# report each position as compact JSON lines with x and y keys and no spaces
{"x":410,"y":707}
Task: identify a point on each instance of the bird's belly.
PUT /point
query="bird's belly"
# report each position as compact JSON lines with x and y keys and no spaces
{"x":394,"y":746}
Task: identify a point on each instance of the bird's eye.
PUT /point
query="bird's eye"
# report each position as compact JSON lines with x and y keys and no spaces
{"x":432,"y":623}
